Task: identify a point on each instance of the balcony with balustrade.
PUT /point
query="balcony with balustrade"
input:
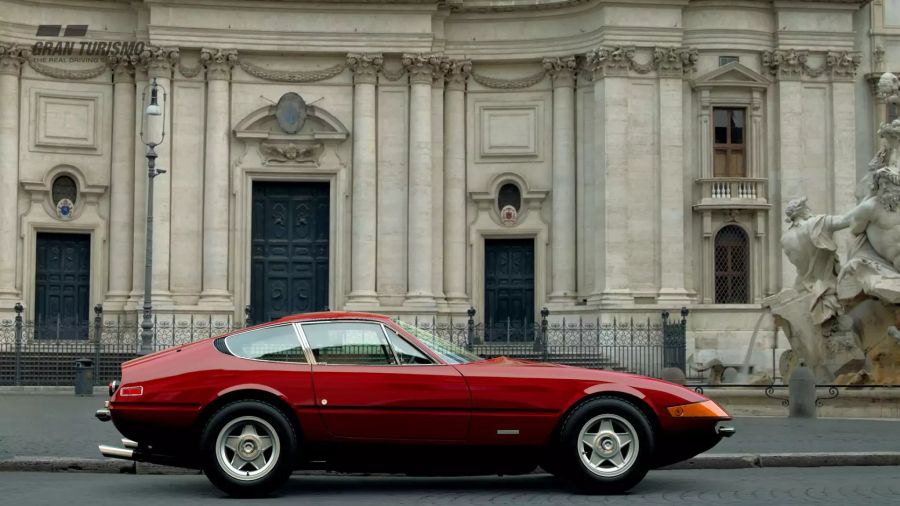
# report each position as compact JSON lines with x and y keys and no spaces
{"x":732,"y":193}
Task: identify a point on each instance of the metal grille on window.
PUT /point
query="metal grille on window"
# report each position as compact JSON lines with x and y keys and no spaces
{"x":64,"y":188}
{"x":731,"y":264}
{"x":509,"y":195}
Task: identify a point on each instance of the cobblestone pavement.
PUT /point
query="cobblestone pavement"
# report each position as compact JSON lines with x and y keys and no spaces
{"x":63,"y":425}
{"x":849,"y":486}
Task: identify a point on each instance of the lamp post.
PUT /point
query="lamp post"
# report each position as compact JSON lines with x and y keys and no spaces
{"x":156,"y":107}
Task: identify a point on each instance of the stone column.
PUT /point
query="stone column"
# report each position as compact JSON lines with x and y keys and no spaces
{"x":121,"y":191}
{"x":455,"y":185}
{"x":672,"y":64}
{"x":562,"y":229}
{"x":11,"y":59}
{"x":365,"y":69}
{"x":611,"y":265}
{"x":437,"y":178}
{"x":420,"y":67}
{"x":160,"y":62}
{"x":216,"y":177}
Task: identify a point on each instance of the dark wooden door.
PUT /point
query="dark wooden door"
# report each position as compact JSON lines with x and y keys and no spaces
{"x":509,"y":289}
{"x":289,"y":249}
{"x":62,"y":286}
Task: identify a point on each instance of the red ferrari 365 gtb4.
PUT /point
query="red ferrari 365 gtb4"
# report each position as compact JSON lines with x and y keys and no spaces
{"x":360,"y":392}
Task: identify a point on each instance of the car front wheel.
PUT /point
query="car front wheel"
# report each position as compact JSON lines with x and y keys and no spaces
{"x":605,"y":446}
{"x":248,"y":448}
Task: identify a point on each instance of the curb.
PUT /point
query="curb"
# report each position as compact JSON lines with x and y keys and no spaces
{"x":703,"y":461}
{"x":810,"y":459}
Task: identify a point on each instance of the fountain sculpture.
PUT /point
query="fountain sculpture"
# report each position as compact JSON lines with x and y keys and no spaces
{"x":841,"y":318}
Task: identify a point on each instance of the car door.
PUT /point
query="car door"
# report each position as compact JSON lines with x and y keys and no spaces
{"x":363,"y":391}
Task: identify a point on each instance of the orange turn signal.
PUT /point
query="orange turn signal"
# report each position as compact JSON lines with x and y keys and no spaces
{"x":705,"y":409}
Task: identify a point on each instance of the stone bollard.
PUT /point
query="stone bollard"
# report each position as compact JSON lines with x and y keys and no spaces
{"x":802,"y":392}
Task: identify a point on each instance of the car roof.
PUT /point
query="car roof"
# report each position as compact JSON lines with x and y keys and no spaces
{"x":332,"y":315}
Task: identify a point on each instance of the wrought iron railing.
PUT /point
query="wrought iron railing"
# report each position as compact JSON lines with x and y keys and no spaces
{"x":44,"y":353}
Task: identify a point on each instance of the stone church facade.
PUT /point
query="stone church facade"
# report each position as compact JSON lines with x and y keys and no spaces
{"x":594,"y":157}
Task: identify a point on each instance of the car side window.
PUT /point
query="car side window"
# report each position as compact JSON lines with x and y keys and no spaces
{"x":277,"y":344}
{"x":406,"y":353}
{"x":348,"y":343}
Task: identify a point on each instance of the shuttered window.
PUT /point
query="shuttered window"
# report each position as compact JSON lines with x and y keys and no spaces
{"x":729,"y":142}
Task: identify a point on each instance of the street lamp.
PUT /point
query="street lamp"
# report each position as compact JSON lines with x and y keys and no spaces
{"x":156,"y":107}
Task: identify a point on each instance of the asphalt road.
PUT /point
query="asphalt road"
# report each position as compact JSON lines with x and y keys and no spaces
{"x":847,"y":486}
{"x":62,"y":425}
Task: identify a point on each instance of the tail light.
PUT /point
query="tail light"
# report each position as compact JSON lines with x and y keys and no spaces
{"x":131,"y":391}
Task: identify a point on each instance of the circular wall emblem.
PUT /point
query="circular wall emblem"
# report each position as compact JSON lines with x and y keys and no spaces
{"x":64,"y":209}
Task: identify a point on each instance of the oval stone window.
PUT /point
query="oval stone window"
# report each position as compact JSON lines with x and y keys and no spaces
{"x":509,"y":195}
{"x":64,"y":188}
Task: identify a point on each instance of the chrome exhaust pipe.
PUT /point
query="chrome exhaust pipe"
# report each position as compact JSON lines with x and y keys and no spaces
{"x":127,"y":443}
{"x":725,"y":431}
{"x":116,"y":453}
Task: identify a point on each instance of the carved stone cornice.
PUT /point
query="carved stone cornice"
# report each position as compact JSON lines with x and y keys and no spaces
{"x":12,"y":56}
{"x":675,"y":61}
{"x":562,"y":70}
{"x":218,"y":63}
{"x":843,"y":64}
{"x":792,"y":64}
{"x":365,"y":67}
{"x":610,"y":61}
{"x":122,"y":68}
{"x":420,"y":66}
{"x":458,"y":72}
{"x":620,"y":61}
{"x":159,"y":61}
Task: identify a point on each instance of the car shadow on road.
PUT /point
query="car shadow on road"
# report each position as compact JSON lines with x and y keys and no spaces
{"x":347,"y":486}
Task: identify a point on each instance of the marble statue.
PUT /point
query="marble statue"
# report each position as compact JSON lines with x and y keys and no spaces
{"x":841,"y":318}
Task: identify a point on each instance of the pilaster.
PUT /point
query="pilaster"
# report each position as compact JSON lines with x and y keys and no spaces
{"x":11,"y":59}
{"x":455,"y":224}
{"x":562,"y":231}
{"x":421,"y":70}
{"x":365,"y":68}
{"x":216,"y":197}
{"x":121,"y":245}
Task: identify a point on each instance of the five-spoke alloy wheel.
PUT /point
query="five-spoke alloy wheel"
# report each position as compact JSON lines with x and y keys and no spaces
{"x":249,"y":448}
{"x":604,"y":446}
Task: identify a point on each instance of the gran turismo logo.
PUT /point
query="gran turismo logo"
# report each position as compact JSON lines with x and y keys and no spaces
{"x":79,"y":49}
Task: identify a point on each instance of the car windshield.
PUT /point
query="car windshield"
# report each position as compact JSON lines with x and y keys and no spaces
{"x":451,"y":353}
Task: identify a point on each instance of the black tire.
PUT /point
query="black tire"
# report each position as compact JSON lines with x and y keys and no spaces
{"x":567,"y":461}
{"x":281,"y":462}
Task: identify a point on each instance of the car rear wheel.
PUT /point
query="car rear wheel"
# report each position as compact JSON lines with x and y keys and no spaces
{"x":249,"y":448}
{"x":605,"y":446}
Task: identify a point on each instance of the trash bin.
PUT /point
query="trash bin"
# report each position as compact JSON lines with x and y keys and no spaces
{"x":84,"y":376}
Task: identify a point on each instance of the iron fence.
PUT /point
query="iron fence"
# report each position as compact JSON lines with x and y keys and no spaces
{"x":44,"y":353}
{"x":639,"y":346}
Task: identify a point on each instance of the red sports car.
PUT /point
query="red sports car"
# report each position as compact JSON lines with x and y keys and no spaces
{"x":358,"y":392}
